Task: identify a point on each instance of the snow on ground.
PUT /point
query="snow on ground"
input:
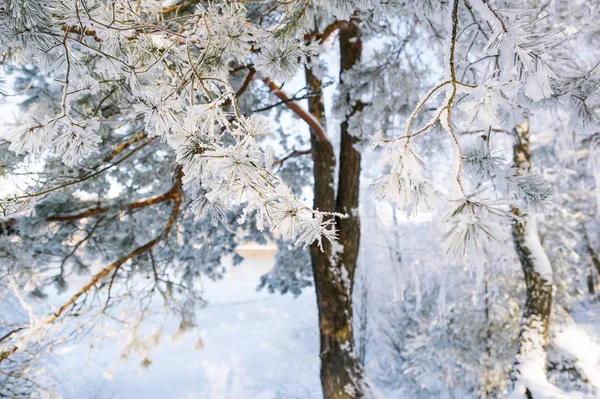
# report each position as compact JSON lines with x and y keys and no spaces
{"x":255,"y":345}
{"x":574,"y":337}
{"x":580,"y":338}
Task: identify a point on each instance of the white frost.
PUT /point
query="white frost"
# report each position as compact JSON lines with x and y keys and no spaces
{"x":539,"y":258}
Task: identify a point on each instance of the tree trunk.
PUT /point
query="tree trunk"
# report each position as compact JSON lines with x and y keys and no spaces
{"x":349,"y":172}
{"x":333,"y":268}
{"x":530,"y":362}
{"x":593,"y":256}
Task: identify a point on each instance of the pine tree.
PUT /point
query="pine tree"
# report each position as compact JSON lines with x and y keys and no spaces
{"x":141,"y":147}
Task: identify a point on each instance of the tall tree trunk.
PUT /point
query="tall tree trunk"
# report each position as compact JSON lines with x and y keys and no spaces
{"x":593,"y":256}
{"x":333,"y":268}
{"x":530,"y":362}
{"x":349,"y":172}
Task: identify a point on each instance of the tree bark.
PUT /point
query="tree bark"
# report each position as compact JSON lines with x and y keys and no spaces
{"x":533,"y":335}
{"x":349,"y":172}
{"x":593,"y":256}
{"x":342,"y":376}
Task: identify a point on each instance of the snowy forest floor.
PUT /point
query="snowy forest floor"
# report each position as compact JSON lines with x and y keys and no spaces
{"x":255,"y":345}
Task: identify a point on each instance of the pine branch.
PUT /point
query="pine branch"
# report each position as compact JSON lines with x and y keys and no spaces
{"x":314,"y":124}
{"x":86,"y":177}
{"x":171,"y":194}
{"x":293,"y":154}
{"x":178,"y":196}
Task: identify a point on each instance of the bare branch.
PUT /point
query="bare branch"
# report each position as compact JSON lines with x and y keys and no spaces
{"x":306,"y":116}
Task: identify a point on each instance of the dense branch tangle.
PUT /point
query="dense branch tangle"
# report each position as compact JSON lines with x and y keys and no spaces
{"x":445,"y":109}
{"x":175,"y":194}
{"x":177,"y":197}
{"x":442,"y":114}
{"x":194,"y":82}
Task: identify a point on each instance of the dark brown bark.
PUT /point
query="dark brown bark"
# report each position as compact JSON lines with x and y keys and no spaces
{"x":7,"y":227}
{"x":341,"y":371}
{"x":593,"y":256}
{"x":533,"y":335}
{"x":349,"y":172}
{"x":539,"y":290}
